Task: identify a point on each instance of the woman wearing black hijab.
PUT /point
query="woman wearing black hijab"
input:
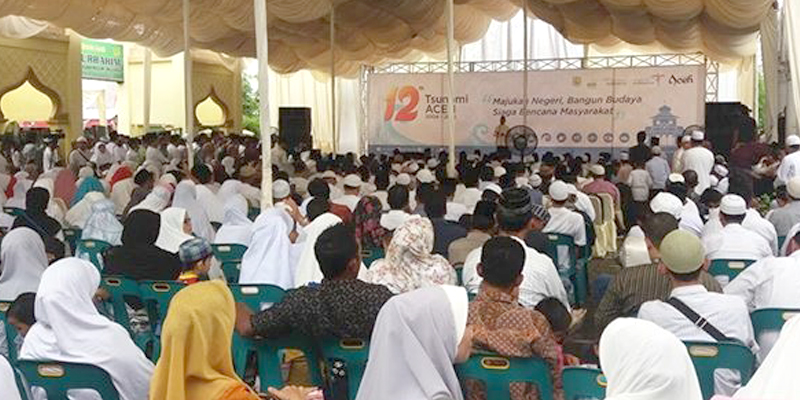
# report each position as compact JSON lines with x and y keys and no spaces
{"x":35,"y":216}
{"x":138,"y":257}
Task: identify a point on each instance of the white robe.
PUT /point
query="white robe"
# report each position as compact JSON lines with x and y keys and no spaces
{"x":268,"y":259}
{"x":700,"y":160}
{"x":236,"y":227}
{"x":308,"y":270}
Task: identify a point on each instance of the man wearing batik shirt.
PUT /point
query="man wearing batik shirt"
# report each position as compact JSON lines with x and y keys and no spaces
{"x":341,"y":306}
{"x":501,"y":325}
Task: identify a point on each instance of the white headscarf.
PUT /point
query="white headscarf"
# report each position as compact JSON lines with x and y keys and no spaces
{"x":68,"y":328}
{"x":228,"y":189}
{"x":776,"y":378}
{"x":171,"y":234}
{"x":236,"y":227}
{"x":121,"y":194}
{"x":210,"y":203}
{"x":53,"y":209}
{"x":101,"y":157}
{"x":102,"y":224}
{"x":17,"y":200}
{"x":23,"y":259}
{"x":156,"y":201}
{"x":186,"y":198}
{"x":268,"y":258}
{"x":642,"y":361}
{"x":8,"y":381}
{"x":228,"y":163}
{"x":785,"y":248}
{"x":79,"y":213}
{"x":414,"y":345}
{"x":307,"y":269}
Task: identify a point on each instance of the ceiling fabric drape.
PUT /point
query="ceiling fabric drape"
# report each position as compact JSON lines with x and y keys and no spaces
{"x":378,"y":31}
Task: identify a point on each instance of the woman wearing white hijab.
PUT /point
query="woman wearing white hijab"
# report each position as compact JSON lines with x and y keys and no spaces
{"x":186,"y":198}
{"x":307,"y":269}
{"x":229,"y":188}
{"x":418,"y":337}
{"x":175,"y":228}
{"x":79,"y":213}
{"x":121,"y":194}
{"x":776,"y":378}
{"x":54,"y":210}
{"x":236,"y":227}
{"x":642,"y":361}
{"x":156,"y":201}
{"x":102,"y":224}
{"x":268,"y":258}
{"x":68,"y":328}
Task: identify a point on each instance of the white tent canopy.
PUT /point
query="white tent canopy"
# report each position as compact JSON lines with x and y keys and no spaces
{"x":377,"y":31}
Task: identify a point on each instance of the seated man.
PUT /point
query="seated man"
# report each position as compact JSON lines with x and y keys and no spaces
{"x":341,"y":306}
{"x":784,"y":218}
{"x":499,"y":324}
{"x":540,"y":277}
{"x":444,"y":231}
{"x":734,"y":242}
{"x":482,"y":227}
{"x":633,"y":286}
{"x":770,"y":283}
{"x":692,"y":313}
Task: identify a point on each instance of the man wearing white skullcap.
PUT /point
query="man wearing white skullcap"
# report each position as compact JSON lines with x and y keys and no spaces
{"x":563,"y":220}
{"x":723,"y":317}
{"x":280,"y":190}
{"x":786,"y":217}
{"x":684,"y":143}
{"x":658,"y":168}
{"x":700,"y":160}
{"x":352,"y":189}
{"x":790,"y":165}
{"x":735,"y":242}
{"x":668,"y":203}
{"x":600,"y":184}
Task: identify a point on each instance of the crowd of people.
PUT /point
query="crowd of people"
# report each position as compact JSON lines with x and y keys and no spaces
{"x":429,"y":264}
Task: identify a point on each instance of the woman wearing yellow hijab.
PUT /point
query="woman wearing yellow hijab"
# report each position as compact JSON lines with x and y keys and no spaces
{"x":196,"y":361}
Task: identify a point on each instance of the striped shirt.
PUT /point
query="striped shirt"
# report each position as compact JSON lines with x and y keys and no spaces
{"x":635,"y":285}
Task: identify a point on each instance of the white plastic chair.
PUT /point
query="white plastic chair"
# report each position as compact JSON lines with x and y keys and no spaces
{"x":609,"y":226}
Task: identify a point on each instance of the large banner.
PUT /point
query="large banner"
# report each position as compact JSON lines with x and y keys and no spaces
{"x":588,"y":108}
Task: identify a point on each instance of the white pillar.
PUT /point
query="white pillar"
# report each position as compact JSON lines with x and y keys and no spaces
{"x":101,"y":108}
{"x":451,"y":121}
{"x":262,"y":50}
{"x":334,"y":132}
{"x":187,"y":79}
{"x":147,"y":68}
{"x":525,"y":56}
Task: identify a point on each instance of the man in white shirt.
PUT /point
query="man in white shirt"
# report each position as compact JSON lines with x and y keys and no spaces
{"x":790,"y":165}
{"x":770,"y":283}
{"x":658,"y":168}
{"x":723,"y":317}
{"x":563,"y":220}
{"x":352,"y":189}
{"x":786,"y":217}
{"x":540,"y":278}
{"x":50,"y":156}
{"x":685,"y":143}
{"x":80,"y":156}
{"x":700,"y":160}
{"x":734,"y":242}
{"x":207,"y":199}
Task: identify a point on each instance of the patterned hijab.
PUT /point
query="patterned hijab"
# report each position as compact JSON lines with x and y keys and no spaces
{"x":367,"y":216}
{"x":409,"y":264}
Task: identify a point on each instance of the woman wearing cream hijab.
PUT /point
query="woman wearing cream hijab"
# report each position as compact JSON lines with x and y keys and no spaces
{"x":196,"y":362}
{"x":642,"y":361}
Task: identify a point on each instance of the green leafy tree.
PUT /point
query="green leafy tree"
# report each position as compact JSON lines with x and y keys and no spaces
{"x":250,"y":103}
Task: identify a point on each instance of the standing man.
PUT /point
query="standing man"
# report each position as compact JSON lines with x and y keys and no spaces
{"x":684,"y":143}
{"x":640,"y":153}
{"x":50,"y":156}
{"x":790,"y":165}
{"x":80,"y":156}
{"x":500,"y":134}
{"x":700,"y":160}
{"x":658,"y":168}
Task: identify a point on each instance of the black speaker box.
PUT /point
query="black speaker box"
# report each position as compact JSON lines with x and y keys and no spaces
{"x":295,"y":128}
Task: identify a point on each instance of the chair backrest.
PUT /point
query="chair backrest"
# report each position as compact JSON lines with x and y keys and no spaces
{"x":120,"y":287}
{"x":230,"y":255}
{"x":22,"y":384}
{"x":353,"y":353}
{"x":56,"y":378}
{"x":608,"y":206}
{"x":13,"y":211}
{"x":771,"y":319}
{"x":72,"y":236}
{"x":781,"y":239}
{"x":156,"y":296}
{"x":257,"y":296}
{"x":561,"y":248}
{"x":498,"y":373}
{"x":253,"y":213}
{"x":597,"y":204}
{"x":583,"y":383}
{"x":371,"y":254}
{"x":729,"y":268}
{"x":92,"y":251}
{"x":11,"y":332}
{"x":708,"y":357}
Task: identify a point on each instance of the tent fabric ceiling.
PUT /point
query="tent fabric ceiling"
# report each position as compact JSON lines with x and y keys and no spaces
{"x":378,"y":31}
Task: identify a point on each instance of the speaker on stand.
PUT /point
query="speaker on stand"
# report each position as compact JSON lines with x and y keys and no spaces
{"x":295,"y":128}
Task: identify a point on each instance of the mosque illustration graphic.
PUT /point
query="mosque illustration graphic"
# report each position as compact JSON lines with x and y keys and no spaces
{"x":665,"y":125}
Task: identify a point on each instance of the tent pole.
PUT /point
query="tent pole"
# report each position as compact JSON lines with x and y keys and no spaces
{"x":333,"y":83}
{"x":262,"y":50}
{"x":147,"y":66}
{"x":525,"y":56}
{"x":187,"y":81}
{"x":451,"y":122}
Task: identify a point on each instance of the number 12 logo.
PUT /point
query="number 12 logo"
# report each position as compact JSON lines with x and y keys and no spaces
{"x":407,"y":95}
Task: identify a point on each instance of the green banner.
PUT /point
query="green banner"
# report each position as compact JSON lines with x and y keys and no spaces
{"x":102,"y":61}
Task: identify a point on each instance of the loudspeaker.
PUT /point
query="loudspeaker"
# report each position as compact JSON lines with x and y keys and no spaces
{"x":722,"y":119}
{"x":295,"y":128}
